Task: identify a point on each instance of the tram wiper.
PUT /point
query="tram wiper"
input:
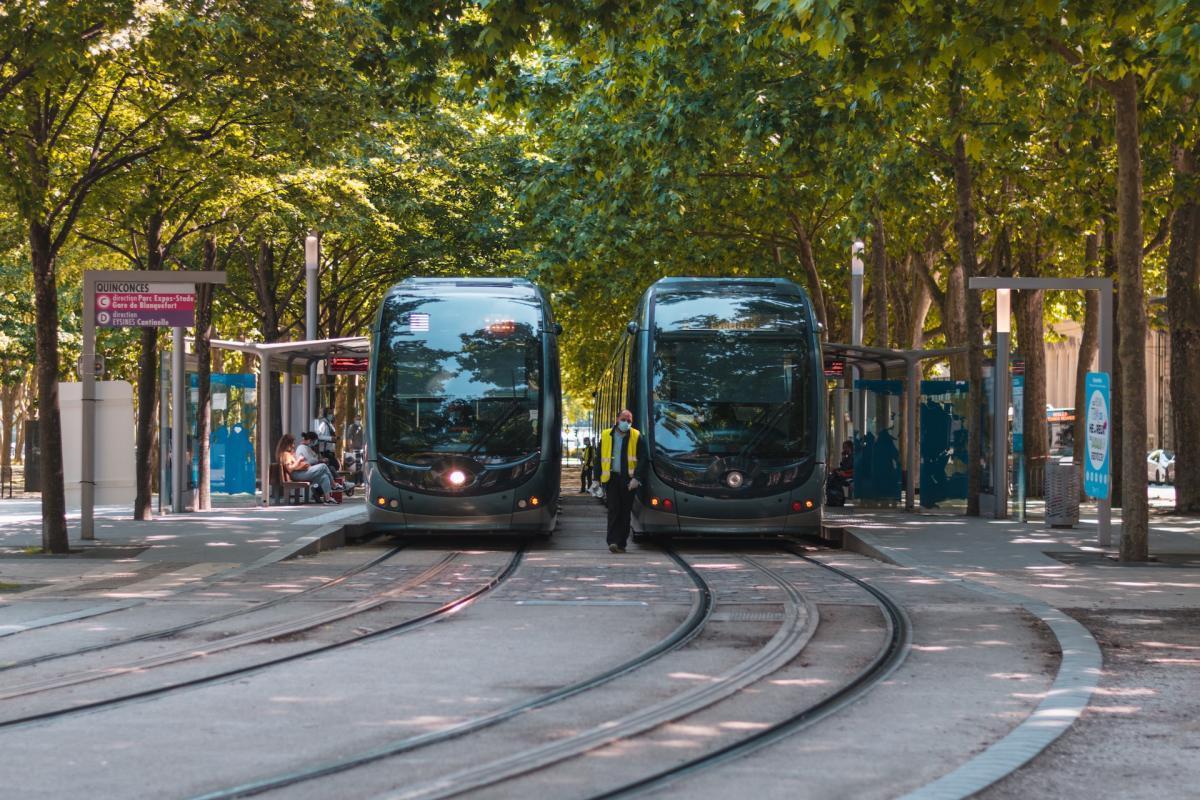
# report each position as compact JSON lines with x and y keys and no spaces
{"x":768,"y":426}
{"x":513,"y":407}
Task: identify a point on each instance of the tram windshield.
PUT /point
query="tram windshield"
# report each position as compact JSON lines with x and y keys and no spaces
{"x":740,"y":397}
{"x":458,"y":374}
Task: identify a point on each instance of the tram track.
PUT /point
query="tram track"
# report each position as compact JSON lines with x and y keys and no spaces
{"x":783,"y":648}
{"x":686,"y":631}
{"x":174,"y":630}
{"x":889,"y":657}
{"x":789,"y":640}
{"x":254,"y":636}
{"x":404,"y":626}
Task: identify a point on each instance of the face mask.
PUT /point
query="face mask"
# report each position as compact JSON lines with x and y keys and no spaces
{"x":624,"y":426}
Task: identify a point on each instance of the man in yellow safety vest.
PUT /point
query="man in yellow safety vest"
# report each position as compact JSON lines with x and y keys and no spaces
{"x":622,"y":468}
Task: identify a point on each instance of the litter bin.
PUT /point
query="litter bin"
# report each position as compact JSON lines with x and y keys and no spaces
{"x":1062,"y":493}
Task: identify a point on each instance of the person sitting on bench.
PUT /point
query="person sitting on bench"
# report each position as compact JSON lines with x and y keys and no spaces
{"x":294,"y":467}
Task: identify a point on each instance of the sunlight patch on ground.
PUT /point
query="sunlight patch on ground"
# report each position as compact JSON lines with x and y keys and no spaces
{"x":1011,"y":676}
{"x":690,"y":676}
{"x":800,"y":682}
{"x":695,"y":730}
{"x":1130,"y":692}
{"x":1170,"y":645}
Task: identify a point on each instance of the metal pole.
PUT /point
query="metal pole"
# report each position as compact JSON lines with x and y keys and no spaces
{"x":1000,"y":383}
{"x":164,"y":401}
{"x":858,"y":410}
{"x":910,"y":434}
{"x":1106,"y":356}
{"x":312,"y":266}
{"x":178,"y":423}
{"x":87,"y":368}
{"x":266,"y":455}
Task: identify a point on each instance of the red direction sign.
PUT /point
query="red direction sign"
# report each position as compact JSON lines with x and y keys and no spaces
{"x":134,"y":304}
{"x":348,"y":363}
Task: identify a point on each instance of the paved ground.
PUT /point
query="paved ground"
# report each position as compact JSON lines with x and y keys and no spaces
{"x":979,"y":666}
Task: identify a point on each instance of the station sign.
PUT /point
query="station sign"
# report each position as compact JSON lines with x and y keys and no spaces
{"x":352,"y":364}
{"x":136,"y":304}
{"x":1097,"y":467}
{"x":835,"y":368}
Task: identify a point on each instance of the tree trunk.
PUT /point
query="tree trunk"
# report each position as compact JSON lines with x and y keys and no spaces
{"x":204,"y":303}
{"x":964,"y":227}
{"x":1183,"y":315}
{"x":23,"y":414}
{"x":8,"y":415}
{"x":1131,"y":323}
{"x":814,"y":279}
{"x":147,"y":384}
{"x":54,"y":500}
{"x":1031,"y":329}
{"x":954,"y":319}
{"x":1089,"y":344}
{"x":147,"y":397}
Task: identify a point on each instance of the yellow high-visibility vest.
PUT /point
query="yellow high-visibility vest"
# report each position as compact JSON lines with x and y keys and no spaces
{"x":606,"y":446}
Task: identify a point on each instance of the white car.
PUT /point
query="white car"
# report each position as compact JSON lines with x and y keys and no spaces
{"x":1160,"y":466}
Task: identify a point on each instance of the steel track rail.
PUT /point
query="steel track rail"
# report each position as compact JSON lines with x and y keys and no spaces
{"x":163,"y":632}
{"x":885,"y":662}
{"x":273,"y":631}
{"x":788,"y":641}
{"x":392,"y":630}
{"x":687,"y":630}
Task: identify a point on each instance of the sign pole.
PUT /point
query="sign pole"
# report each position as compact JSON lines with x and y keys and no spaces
{"x":87,"y":450}
{"x":178,"y":423}
{"x":1106,"y":348}
{"x":1018,"y":438}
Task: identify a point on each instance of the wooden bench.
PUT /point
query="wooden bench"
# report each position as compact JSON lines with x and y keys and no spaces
{"x":281,"y":487}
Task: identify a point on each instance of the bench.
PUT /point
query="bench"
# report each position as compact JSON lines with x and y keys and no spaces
{"x":286,"y":487}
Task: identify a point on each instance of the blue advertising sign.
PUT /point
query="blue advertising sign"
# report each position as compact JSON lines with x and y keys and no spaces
{"x":1097,"y":466}
{"x":1018,"y":409}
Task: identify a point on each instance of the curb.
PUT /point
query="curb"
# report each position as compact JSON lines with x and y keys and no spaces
{"x":1078,"y":675}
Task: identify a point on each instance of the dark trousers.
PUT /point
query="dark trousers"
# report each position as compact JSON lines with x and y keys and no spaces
{"x":620,"y":506}
{"x":585,"y":477}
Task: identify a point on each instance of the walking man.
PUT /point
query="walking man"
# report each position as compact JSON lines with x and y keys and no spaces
{"x":622,"y":466}
{"x":587,"y":459}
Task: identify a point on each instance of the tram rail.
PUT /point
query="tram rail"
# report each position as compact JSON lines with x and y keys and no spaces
{"x":209,"y":620}
{"x":404,"y":626}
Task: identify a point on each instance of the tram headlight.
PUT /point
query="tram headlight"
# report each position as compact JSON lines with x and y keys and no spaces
{"x":457,"y":477}
{"x":734,"y":480}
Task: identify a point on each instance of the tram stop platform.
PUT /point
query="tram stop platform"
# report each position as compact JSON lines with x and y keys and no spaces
{"x":1059,"y":567}
{"x":241,"y":534}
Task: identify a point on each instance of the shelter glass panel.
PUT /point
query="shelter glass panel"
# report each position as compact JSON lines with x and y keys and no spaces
{"x":878,"y":468}
{"x":943,"y":441}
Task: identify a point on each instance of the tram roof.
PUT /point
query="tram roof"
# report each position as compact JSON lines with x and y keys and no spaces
{"x":478,"y":284}
{"x":686,"y":283}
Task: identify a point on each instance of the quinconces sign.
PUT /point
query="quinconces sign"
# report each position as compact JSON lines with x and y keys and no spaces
{"x":135,"y":304}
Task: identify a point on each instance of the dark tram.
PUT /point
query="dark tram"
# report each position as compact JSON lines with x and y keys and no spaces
{"x":464,"y":408}
{"x":725,"y":378}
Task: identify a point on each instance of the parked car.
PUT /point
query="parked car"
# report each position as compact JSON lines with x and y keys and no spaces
{"x":1160,"y":466}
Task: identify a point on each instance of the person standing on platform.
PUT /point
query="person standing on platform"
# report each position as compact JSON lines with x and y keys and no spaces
{"x":622,"y":468}
{"x":587,"y":459}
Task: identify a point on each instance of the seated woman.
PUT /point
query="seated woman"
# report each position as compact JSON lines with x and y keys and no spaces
{"x":294,"y":467}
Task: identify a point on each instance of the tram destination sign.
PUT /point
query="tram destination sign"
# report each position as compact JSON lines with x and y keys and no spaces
{"x":135,"y":304}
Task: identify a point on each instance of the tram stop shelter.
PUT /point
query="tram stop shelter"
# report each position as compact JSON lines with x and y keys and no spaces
{"x":290,"y":360}
{"x":886,"y":373}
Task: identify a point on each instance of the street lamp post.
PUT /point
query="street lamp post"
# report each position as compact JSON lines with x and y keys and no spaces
{"x":1000,"y":409}
{"x":312,"y":265}
{"x":858,"y":412}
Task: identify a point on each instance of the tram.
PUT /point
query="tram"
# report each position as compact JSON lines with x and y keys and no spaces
{"x":724,"y":377}
{"x":464,"y":408}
